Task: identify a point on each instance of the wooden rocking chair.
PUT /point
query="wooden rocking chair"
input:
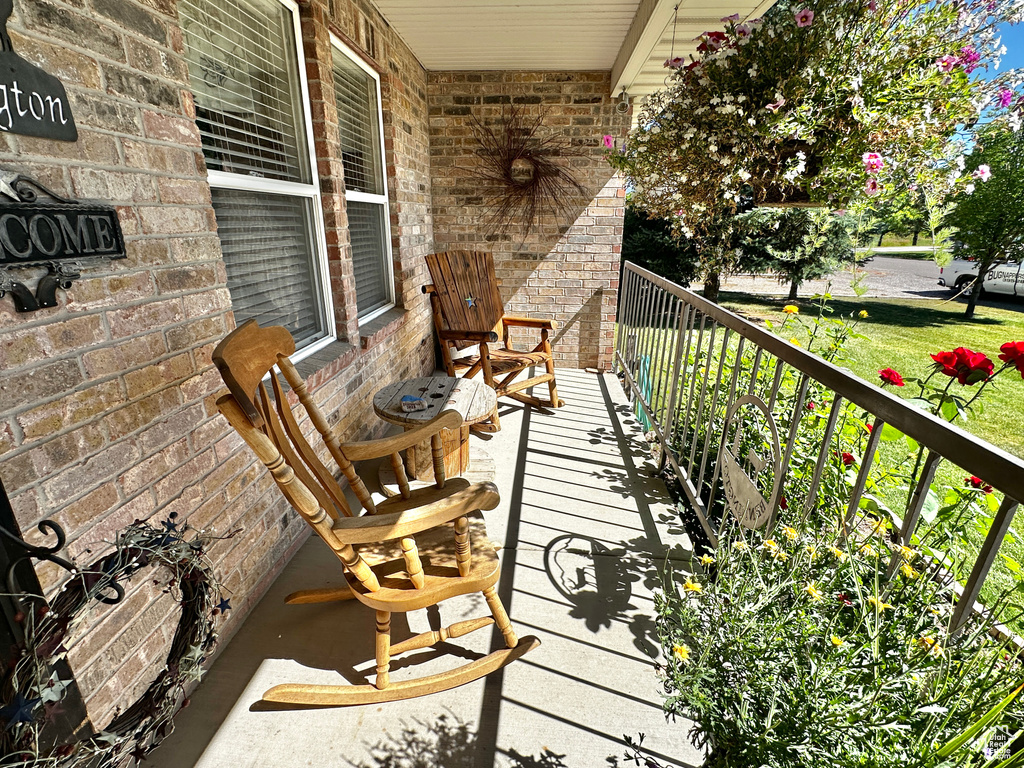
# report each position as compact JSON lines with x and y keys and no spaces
{"x":468,"y":310}
{"x":409,"y":552}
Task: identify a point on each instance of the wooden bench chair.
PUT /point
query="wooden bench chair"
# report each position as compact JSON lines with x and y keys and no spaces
{"x":468,"y":310}
{"x":409,"y":552}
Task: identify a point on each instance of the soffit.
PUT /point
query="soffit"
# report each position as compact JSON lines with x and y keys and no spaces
{"x":631,"y":38}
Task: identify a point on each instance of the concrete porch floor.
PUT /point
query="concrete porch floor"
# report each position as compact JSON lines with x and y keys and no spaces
{"x":583,"y":528}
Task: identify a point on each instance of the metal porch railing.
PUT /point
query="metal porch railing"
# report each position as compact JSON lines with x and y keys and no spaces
{"x":718,"y":392}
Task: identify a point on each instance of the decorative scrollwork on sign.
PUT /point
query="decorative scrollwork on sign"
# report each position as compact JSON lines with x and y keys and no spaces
{"x":742,"y":491}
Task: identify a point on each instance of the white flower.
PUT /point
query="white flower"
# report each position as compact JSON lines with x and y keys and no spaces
{"x":969,"y":189}
{"x":752,"y":71}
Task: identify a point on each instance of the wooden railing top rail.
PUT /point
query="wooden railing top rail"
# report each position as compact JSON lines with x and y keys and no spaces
{"x":997,"y":467}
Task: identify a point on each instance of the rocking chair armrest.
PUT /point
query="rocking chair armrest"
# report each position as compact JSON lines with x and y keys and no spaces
{"x":374,"y":449}
{"x":529,"y":322}
{"x":479,"y":336}
{"x":386,"y":526}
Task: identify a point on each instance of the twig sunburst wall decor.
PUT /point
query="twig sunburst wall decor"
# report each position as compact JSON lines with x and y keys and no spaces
{"x":527,"y":174}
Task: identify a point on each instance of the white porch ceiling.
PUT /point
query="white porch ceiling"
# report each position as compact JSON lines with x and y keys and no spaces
{"x":632,"y":38}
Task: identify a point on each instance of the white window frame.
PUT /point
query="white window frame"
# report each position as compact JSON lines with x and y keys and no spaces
{"x":364,"y":197}
{"x":311,"y":191}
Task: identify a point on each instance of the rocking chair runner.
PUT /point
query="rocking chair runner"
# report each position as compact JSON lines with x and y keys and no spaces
{"x":408,"y":552}
{"x":468,"y":310}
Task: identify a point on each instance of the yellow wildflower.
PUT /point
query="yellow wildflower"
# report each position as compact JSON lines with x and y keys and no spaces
{"x":907,"y":553}
{"x":795,"y":341}
{"x":837,"y":641}
{"x":837,"y":553}
{"x":869,"y":551}
{"x":707,"y":560}
{"x":780,"y":555}
{"x":815,"y":593}
{"x":789,"y":532}
{"x":791,"y":309}
{"x":812,"y":550}
{"x":693,"y":586}
{"x":907,"y":570}
{"x":739,"y":546}
{"x":862,"y":314}
{"x":880,"y":527}
{"x":879,"y":605}
{"x":771,"y":545}
{"x":931,"y":644}
{"x":682,"y":652}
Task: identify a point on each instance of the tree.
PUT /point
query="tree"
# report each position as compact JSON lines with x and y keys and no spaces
{"x":652,"y":244}
{"x":990,"y":219}
{"x":797,"y":244}
{"x":903,"y":213}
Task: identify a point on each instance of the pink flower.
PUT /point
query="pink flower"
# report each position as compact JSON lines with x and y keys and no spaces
{"x":872,"y":6}
{"x":872,"y":187}
{"x":776,"y":106}
{"x":743,"y":31}
{"x":675,"y":63}
{"x":1005,"y":98}
{"x":734,"y":17}
{"x":609,"y":142}
{"x":947,"y":63}
{"x":984,"y":173}
{"x":969,"y":58}
{"x":873,"y":162}
{"x":804,"y":17}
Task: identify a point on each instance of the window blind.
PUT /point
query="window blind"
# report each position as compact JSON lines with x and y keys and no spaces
{"x":367,"y":233}
{"x":268,"y":255}
{"x":242,"y":66}
{"x":356,"y":96}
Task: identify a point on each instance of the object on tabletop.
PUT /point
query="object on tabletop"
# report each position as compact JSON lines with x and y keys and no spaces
{"x":411,"y":404}
{"x":461,"y":324}
{"x":395,"y":555}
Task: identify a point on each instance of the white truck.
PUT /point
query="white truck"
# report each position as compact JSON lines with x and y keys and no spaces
{"x":1005,"y":279}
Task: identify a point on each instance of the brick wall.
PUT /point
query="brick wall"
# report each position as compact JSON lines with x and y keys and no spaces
{"x":566,"y":269}
{"x":106,"y":401}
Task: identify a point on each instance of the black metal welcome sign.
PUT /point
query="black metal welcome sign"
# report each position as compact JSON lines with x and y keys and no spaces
{"x":60,"y":234}
{"x":32,"y":102}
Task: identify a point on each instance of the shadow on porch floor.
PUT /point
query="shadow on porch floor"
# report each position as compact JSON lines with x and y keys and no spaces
{"x":583,"y":527}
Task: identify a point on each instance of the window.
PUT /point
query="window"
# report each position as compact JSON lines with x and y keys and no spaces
{"x":250,"y":95}
{"x":357,"y":95}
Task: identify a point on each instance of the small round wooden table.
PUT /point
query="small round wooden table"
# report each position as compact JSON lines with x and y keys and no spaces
{"x":475,"y":402}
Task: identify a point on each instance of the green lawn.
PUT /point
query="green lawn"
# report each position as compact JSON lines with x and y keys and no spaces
{"x":902,"y":334}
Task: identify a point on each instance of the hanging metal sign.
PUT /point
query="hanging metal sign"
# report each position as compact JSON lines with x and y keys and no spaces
{"x":32,"y":101}
{"x":58,"y":233}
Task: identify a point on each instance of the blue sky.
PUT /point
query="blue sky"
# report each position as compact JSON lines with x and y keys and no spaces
{"x":1013,"y":39}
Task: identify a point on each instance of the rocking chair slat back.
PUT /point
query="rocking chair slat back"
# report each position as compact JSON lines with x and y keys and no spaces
{"x":467,"y":288}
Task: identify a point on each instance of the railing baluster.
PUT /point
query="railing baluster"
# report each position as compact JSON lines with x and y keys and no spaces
{"x":709,"y":435}
{"x":738,"y":365}
{"x":776,"y":383}
{"x":823,"y":454}
{"x":693,"y":381}
{"x":862,"y":477}
{"x":987,"y":556}
{"x":700,"y":401}
{"x":755,"y":370}
{"x":787,"y":455}
{"x":666,"y":342}
{"x":914,"y":507}
{"x":677,"y":371}
{"x":625,"y":306}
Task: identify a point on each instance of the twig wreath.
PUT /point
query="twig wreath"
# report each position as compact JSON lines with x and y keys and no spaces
{"x":522,"y":171}
{"x":31,"y":692}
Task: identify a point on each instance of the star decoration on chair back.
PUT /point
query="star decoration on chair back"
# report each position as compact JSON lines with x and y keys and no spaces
{"x":470,"y":301}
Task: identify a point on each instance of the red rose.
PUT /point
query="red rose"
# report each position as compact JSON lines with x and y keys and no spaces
{"x":965,"y":365}
{"x":871,"y":427}
{"x":1013,"y":352}
{"x":847,"y":459}
{"x":976,"y":482}
{"x":889,"y":376}
{"x":783,"y":503}
{"x":842,"y":598}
